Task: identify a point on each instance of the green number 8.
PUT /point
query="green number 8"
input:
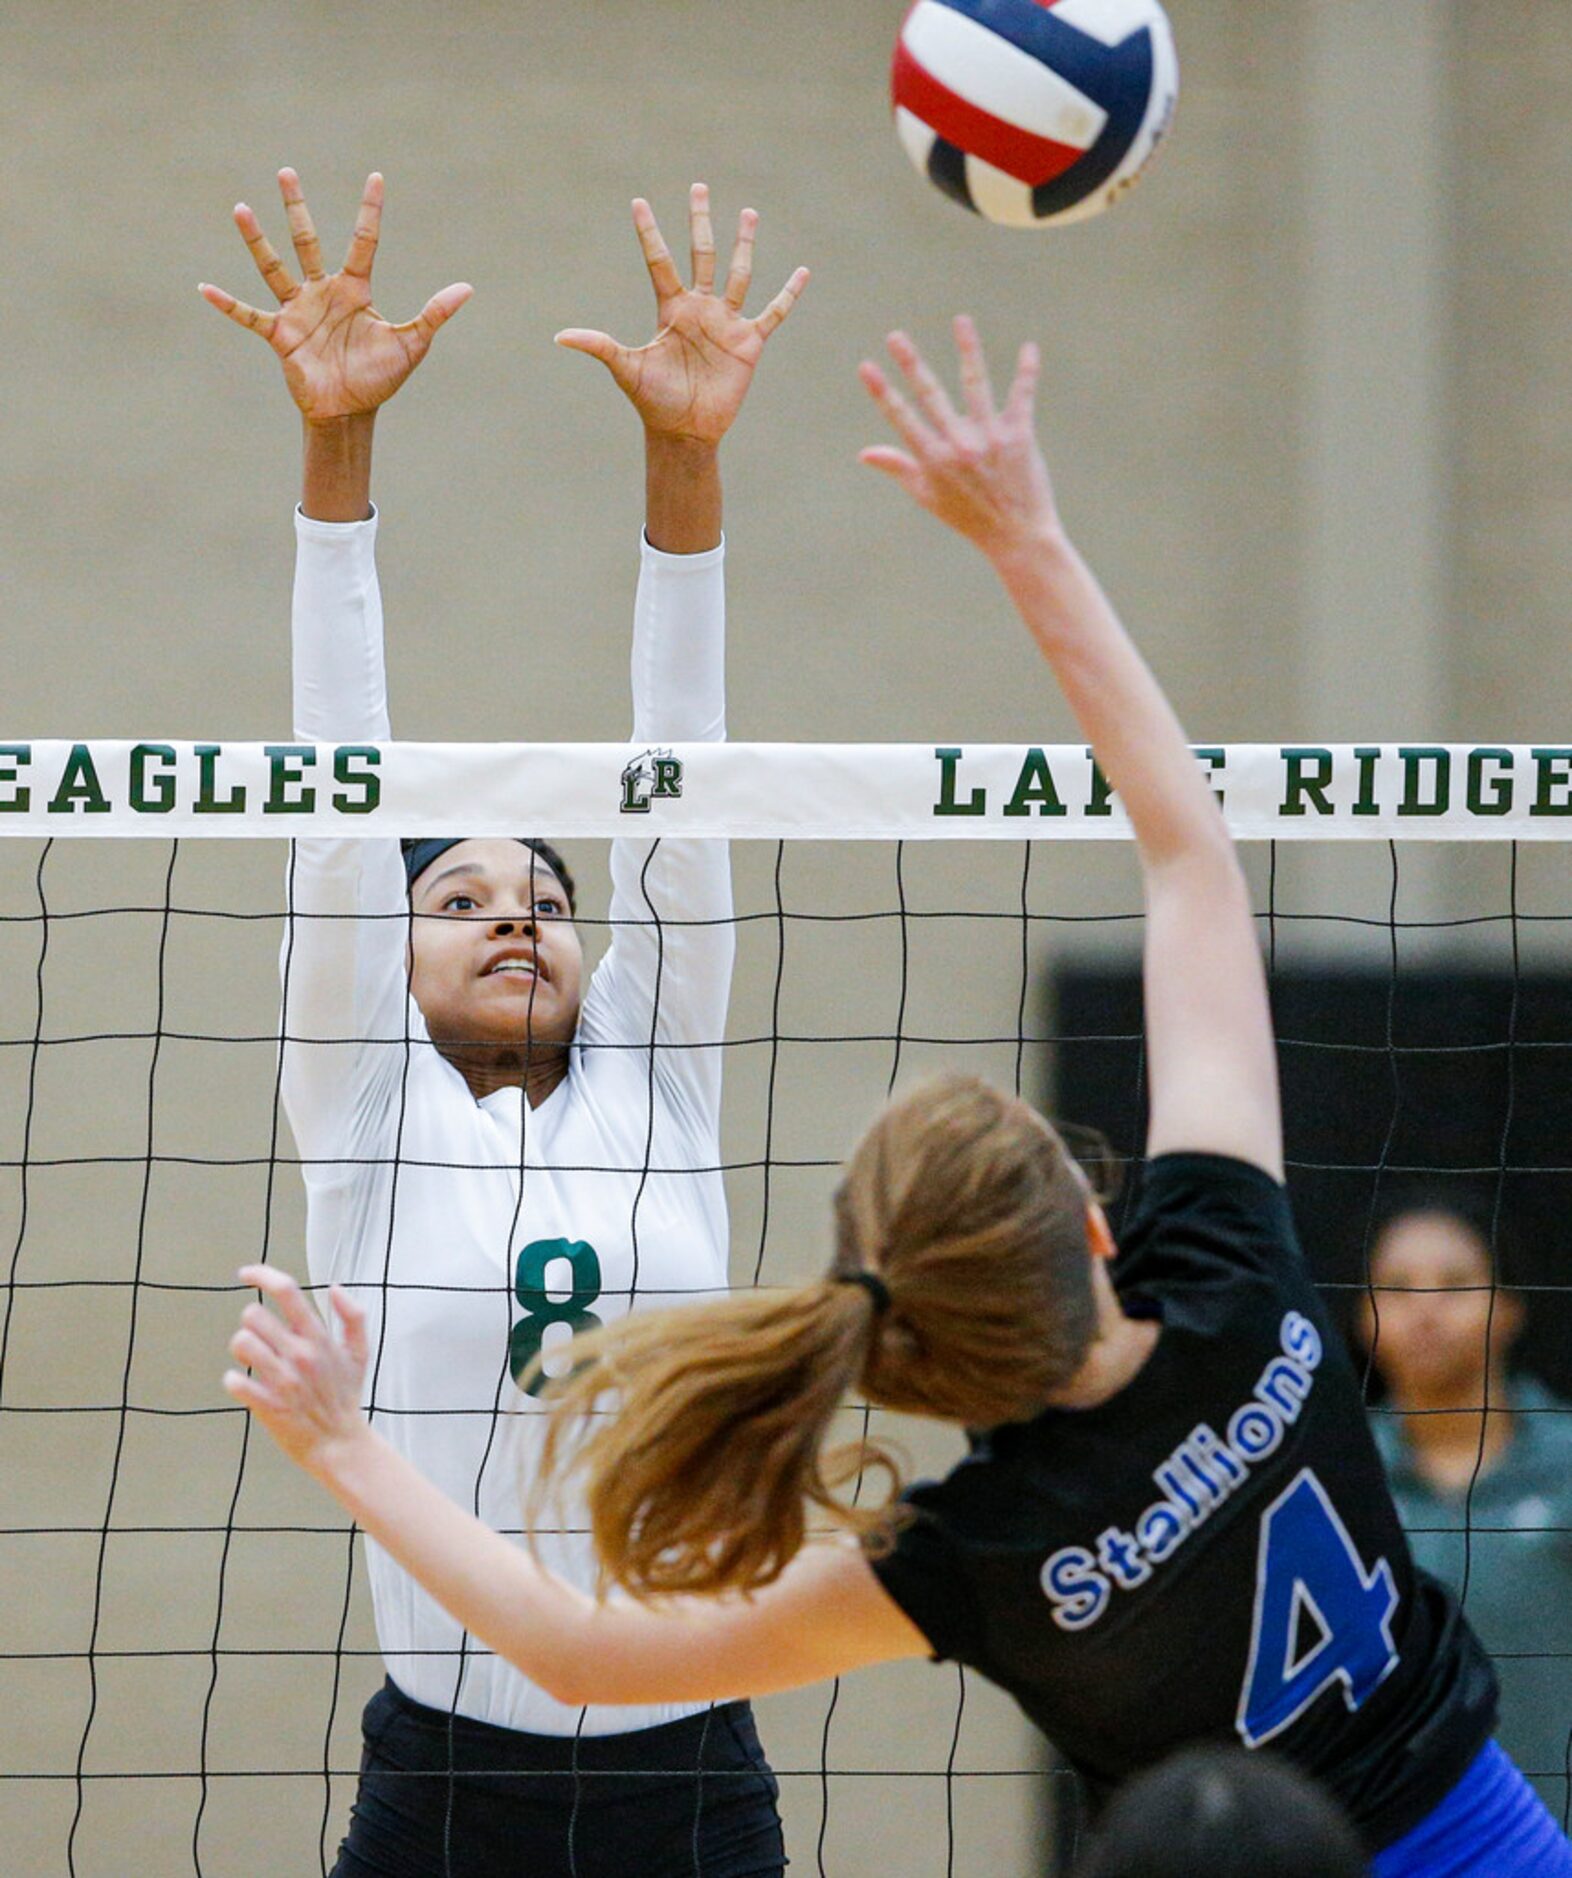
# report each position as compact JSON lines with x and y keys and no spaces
{"x":541,"y":1309}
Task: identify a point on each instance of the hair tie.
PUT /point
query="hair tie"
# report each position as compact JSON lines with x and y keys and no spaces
{"x":873,"y":1284}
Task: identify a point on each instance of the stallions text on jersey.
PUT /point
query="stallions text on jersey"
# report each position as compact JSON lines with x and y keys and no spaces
{"x":1211,"y":1553}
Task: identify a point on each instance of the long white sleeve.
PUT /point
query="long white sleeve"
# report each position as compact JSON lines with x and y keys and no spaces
{"x":431,"y":1202}
{"x":668,"y":972}
{"x":679,"y":648}
{"x":343,"y":963}
{"x":338,"y":669}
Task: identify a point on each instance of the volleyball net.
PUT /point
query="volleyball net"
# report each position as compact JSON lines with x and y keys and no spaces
{"x":187,"y":1642}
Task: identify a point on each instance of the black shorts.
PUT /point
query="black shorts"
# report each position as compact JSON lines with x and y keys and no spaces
{"x":446,"y":1797}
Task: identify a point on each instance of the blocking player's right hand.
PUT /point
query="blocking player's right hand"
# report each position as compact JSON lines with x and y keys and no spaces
{"x":340,"y":357}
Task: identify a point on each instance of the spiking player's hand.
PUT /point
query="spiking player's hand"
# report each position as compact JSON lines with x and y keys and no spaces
{"x":303,"y":1387}
{"x":689,"y":382}
{"x":979,"y":471}
{"x":340,"y":357}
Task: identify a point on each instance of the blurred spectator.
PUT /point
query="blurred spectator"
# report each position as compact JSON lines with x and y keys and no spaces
{"x":1486,"y":1497}
{"x":1225,"y":1814}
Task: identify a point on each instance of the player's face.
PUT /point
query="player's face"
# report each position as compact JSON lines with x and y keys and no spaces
{"x":1433,"y":1306}
{"x":495,"y":956}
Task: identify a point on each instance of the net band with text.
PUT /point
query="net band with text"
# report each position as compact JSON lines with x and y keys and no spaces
{"x":778,"y":791}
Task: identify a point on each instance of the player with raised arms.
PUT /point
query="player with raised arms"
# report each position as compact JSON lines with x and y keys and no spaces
{"x":1173,"y":1525}
{"x":496,"y":1155}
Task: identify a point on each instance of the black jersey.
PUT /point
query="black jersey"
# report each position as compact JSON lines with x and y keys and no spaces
{"x":1212,"y":1553}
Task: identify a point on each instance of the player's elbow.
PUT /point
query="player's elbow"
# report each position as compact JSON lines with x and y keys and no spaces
{"x":566,"y":1685}
{"x":593,"y":1672}
{"x":549,"y":1672}
{"x":569,"y":1676}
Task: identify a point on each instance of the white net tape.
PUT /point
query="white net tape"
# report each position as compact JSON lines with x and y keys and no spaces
{"x":188,"y":1642}
{"x":824,"y":791}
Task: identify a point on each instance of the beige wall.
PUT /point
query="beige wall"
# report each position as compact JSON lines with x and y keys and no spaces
{"x":1512,"y":381}
{"x":145,"y":482}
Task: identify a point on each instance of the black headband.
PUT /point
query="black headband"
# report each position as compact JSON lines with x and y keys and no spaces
{"x":419,"y":855}
{"x":873,"y":1284}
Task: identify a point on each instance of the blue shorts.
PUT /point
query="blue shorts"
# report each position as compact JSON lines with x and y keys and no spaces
{"x":1491,"y":1825}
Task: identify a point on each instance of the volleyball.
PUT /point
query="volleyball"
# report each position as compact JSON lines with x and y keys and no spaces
{"x":1034,"y":113}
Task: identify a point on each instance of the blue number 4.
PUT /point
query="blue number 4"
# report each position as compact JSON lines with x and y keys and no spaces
{"x":1307,"y":1568}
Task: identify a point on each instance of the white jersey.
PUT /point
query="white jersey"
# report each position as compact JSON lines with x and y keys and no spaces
{"x":474,"y":1231}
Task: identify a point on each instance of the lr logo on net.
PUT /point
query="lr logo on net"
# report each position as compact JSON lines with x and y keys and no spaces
{"x":649,"y":777}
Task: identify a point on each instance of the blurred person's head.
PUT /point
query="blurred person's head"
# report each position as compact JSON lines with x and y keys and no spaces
{"x":1436,"y":1314}
{"x":1222,"y":1813}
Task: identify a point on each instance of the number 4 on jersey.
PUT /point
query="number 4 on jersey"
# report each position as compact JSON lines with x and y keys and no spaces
{"x":1308,"y":1572}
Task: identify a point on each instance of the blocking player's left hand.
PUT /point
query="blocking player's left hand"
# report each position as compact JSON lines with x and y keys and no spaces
{"x":303,"y":1385}
{"x":689,"y":382}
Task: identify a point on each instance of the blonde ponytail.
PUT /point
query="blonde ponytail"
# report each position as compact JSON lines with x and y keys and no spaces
{"x":699,"y":1435}
{"x":699,"y":1432}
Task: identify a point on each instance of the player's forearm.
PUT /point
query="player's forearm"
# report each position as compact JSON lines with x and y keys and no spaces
{"x":679,"y":696}
{"x":343,"y":960}
{"x":1130,"y":725}
{"x":577,"y":1649}
{"x":335,"y":479}
{"x":682,"y":494}
{"x":338,"y":670}
{"x":678,"y":661}
{"x":498,"y":1593}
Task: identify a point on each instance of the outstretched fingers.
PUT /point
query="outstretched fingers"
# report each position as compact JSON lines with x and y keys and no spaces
{"x":269,"y":266}
{"x":267,"y":1346}
{"x":739,"y":276}
{"x":905,"y":470}
{"x":932,"y":398}
{"x":620,"y":360}
{"x":903,"y":419}
{"x":975,"y":385}
{"x":352,"y":1321}
{"x":437,"y":311}
{"x":585,"y":339}
{"x":261,"y":1330}
{"x":251,"y":1392}
{"x":657,"y":256}
{"x":368,"y":228}
{"x":237,"y":310}
{"x":701,"y":236}
{"x":782,"y":304}
{"x":286,"y":1294}
{"x":1018,"y":407}
{"x":302,"y":230}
